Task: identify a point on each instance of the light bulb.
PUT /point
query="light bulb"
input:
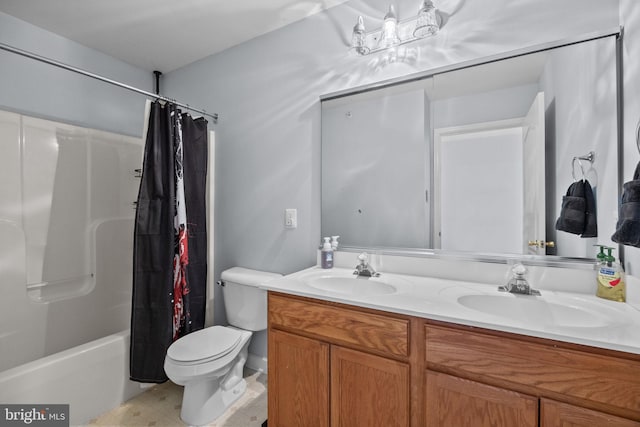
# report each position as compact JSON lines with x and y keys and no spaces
{"x":390,"y":29}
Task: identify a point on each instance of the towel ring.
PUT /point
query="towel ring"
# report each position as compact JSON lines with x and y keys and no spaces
{"x":573,"y":168}
{"x":638,"y":136}
{"x":588,"y":157}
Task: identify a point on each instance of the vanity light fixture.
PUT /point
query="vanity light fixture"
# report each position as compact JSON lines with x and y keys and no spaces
{"x":426,"y":21}
{"x":393,"y":33}
{"x":358,"y":38}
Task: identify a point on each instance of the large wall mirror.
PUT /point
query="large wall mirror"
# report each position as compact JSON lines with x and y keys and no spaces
{"x":476,"y":159}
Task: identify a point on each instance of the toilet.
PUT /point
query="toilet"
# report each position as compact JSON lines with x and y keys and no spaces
{"x":209,"y":362}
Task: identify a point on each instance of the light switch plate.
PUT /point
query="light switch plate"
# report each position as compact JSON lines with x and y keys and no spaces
{"x":291,"y":218}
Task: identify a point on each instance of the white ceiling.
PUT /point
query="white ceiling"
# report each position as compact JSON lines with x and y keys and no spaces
{"x":162,"y":34}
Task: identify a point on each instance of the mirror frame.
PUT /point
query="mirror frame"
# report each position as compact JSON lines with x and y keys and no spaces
{"x":542,"y":260}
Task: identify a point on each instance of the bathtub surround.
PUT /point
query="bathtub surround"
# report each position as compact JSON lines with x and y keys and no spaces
{"x":91,"y":378}
{"x":66,"y":230}
{"x":66,"y":226}
{"x":170,"y":249}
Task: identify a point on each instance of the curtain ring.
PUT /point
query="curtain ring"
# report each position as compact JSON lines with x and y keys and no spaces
{"x":573,"y":168}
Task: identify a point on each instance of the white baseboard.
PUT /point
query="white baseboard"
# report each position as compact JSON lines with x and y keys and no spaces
{"x":257,"y":363}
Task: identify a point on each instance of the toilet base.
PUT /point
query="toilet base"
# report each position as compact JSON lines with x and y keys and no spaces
{"x":210,"y":387}
{"x":197,"y":411}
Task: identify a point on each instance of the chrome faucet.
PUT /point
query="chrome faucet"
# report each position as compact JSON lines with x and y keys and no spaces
{"x":364,"y":269}
{"x":518,"y":284}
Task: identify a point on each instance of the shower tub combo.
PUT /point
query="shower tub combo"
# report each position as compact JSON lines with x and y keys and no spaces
{"x":66,"y":238}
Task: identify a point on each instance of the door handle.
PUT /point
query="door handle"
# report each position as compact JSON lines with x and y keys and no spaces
{"x":542,"y":243}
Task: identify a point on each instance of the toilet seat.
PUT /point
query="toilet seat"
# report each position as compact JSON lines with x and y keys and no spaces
{"x":204,"y":346}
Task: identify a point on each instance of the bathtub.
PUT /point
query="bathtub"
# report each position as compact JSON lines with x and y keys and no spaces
{"x":92,"y":378}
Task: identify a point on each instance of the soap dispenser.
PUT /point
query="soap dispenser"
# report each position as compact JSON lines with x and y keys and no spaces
{"x":326,"y":254}
{"x":610,"y":277}
{"x":334,"y":242}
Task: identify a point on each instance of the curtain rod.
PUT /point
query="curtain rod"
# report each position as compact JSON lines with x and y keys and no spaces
{"x":58,"y":64}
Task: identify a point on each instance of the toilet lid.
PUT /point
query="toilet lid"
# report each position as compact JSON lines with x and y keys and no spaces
{"x":208,"y":343}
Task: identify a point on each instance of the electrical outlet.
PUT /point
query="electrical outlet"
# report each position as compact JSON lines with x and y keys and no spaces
{"x":291,"y":218}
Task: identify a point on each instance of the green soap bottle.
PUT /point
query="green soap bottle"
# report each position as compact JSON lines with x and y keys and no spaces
{"x":610,"y":277}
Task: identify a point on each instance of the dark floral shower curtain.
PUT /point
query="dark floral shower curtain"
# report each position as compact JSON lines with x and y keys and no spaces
{"x":170,"y":240}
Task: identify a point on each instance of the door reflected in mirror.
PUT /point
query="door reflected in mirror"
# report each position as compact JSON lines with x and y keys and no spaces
{"x":476,"y":159}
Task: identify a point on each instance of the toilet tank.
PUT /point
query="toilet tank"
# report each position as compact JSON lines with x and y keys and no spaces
{"x":245,"y":303}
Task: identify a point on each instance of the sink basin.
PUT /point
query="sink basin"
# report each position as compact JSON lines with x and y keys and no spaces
{"x":352,"y":285}
{"x":534,"y":310}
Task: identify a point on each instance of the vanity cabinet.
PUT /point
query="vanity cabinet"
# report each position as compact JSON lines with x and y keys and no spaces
{"x":368,"y":390}
{"x":570,"y":385}
{"x":301,"y":380}
{"x":455,"y":402}
{"x":562,"y":414}
{"x":334,"y":364}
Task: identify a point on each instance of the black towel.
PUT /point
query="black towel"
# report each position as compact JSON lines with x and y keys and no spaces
{"x":628,"y":226}
{"x":591,"y":223}
{"x":578,"y":212}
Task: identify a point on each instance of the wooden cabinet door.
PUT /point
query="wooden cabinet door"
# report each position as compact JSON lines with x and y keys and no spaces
{"x":368,"y":390}
{"x":456,"y":402}
{"x":298,"y":372}
{"x":556,"y":414}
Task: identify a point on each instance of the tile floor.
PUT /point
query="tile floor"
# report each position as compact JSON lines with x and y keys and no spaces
{"x":160,"y":407}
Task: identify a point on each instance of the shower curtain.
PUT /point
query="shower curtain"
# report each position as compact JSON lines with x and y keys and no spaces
{"x":170,"y":240}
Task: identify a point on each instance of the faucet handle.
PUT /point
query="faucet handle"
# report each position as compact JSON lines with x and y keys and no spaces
{"x":519,"y":270}
{"x":517,"y":282}
{"x":363,"y":269}
{"x":363,"y":258}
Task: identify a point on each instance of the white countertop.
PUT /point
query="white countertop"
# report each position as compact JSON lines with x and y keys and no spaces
{"x":578,"y":318}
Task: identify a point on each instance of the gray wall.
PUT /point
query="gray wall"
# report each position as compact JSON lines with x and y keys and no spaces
{"x":266,"y":92}
{"x":41,"y":90}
